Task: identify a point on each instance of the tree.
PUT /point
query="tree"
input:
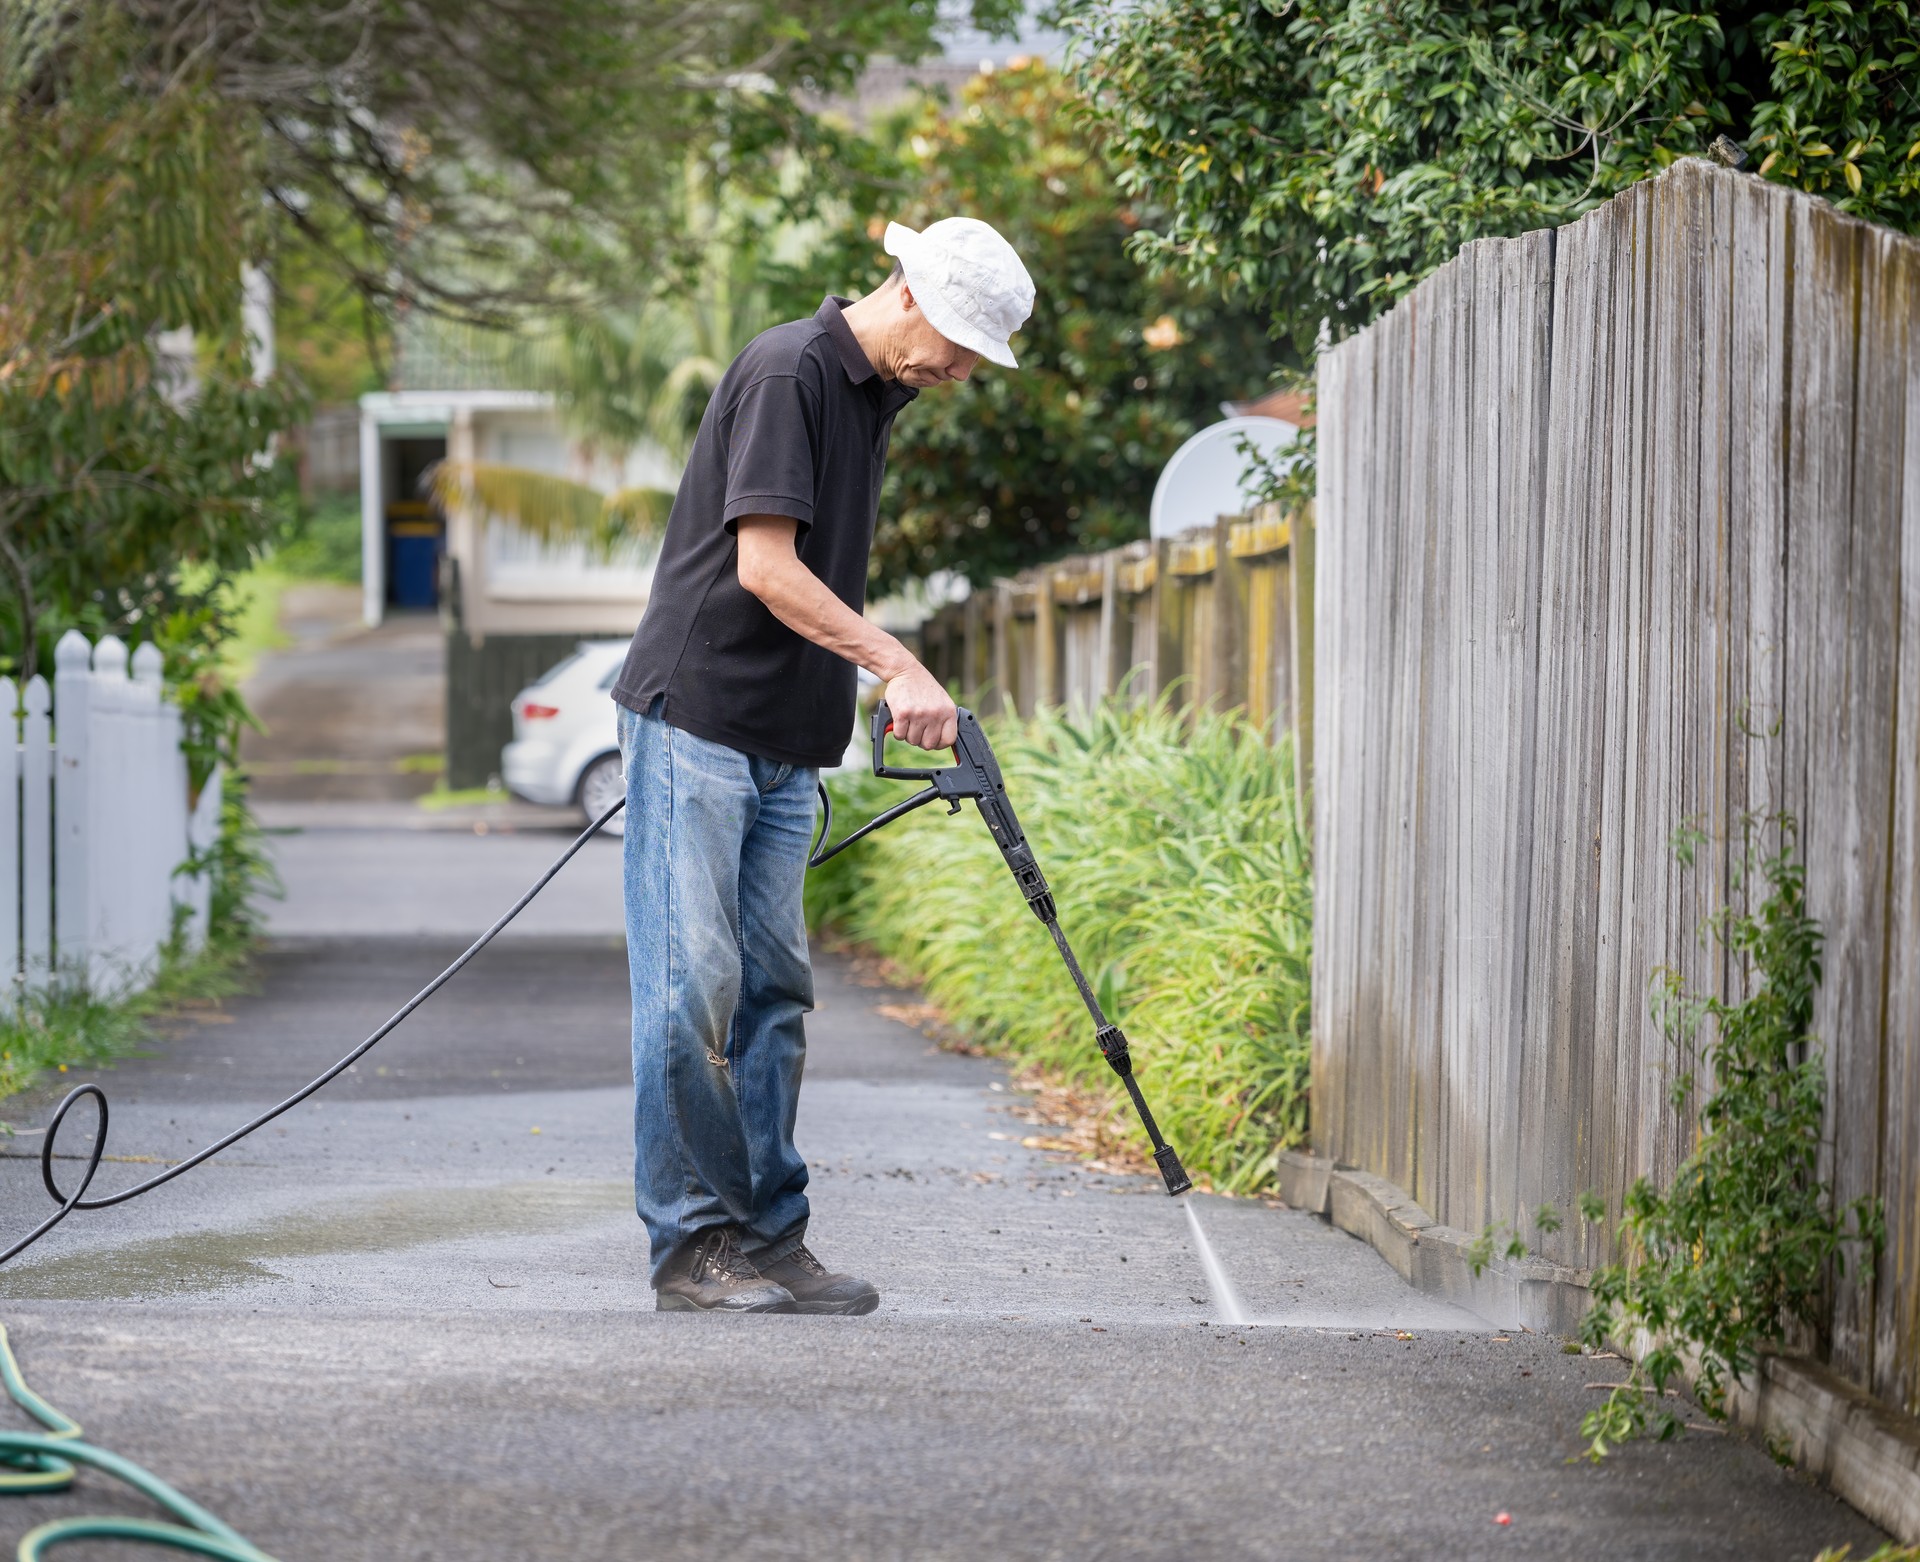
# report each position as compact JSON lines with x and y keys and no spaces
{"x":478,"y":155}
{"x":1318,"y":158}
{"x":121,"y":214}
{"x":1116,"y":367}
{"x":639,"y":374}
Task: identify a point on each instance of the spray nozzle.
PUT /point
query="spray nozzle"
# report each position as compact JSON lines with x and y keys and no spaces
{"x":1178,"y":1182}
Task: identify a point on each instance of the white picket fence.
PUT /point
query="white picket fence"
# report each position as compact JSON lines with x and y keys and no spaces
{"x":96,"y":822}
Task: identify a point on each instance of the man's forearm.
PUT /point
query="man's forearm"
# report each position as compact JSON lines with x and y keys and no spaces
{"x":923,"y":713}
{"x":800,"y":600}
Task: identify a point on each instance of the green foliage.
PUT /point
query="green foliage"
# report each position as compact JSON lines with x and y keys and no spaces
{"x":1743,"y":1241}
{"x":1183,"y":883}
{"x":322,"y":541}
{"x":1842,"y":118}
{"x":124,"y":215}
{"x":1503,"y":1238}
{"x":65,"y":1024}
{"x":1319,"y":158}
{"x":475,"y":156}
{"x":643,"y":373}
{"x":1890,"y":1551}
{"x":1116,"y":368}
{"x":555,"y":509}
{"x":59,"y":1026}
{"x":242,"y":874}
{"x":130,"y":498}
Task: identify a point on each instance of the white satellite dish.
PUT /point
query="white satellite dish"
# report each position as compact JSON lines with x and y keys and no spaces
{"x":1201,"y":482}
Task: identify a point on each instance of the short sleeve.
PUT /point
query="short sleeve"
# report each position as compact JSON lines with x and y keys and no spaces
{"x":771,"y":452}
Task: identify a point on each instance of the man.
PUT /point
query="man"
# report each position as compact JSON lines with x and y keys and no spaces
{"x":738,"y":687}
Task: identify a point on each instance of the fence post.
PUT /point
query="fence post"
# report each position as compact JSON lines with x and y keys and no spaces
{"x":156,"y":812}
{"x":1302,"y":714}
{"x":114,"y":751}
{"x":72,"y":839}
{"x":9,"y":845}
{"x":1164,"y":596}
{"x":1113,"y":660}
{"x":1046,"y":643}
{"x":36,"y":832}
{"x":1229,"y":616}
{"x":972,"y":622}
{"x":1003,"y":691}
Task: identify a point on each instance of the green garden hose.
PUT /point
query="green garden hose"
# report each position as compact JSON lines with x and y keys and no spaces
{"x":32,"y":1462}
{"x":35,"y":1462}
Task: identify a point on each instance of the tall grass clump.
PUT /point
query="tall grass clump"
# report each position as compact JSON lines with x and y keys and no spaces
{"x":1174,"y":851}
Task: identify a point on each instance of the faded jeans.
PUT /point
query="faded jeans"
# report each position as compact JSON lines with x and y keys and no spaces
{"x":716,"y":855}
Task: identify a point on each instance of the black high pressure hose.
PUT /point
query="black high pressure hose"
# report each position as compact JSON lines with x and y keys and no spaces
{"x":78,"y":1198}
{"x":975,"y":777}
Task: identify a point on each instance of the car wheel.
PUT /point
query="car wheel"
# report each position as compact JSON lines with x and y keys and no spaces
{"x":601,"y":784}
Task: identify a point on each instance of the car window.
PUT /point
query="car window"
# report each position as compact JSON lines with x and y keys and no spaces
{"x":613,"y":673}
{"x":555,"y":671}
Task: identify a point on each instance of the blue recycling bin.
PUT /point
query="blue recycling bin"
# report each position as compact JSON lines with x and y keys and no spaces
{"x":413,"y":564}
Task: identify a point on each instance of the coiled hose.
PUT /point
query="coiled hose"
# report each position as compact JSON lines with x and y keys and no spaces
{"x":35,"y":1462}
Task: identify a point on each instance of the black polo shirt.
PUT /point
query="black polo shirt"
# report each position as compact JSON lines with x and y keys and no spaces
{"x":797,"y":426}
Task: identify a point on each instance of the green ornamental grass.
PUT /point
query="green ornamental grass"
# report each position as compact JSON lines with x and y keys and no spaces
{"x":1173,"y":848}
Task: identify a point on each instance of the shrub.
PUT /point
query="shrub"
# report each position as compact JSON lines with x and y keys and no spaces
{"x":1175,"y":853}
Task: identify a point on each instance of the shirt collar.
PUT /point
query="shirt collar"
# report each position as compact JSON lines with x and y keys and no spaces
{"x":853,"y":357}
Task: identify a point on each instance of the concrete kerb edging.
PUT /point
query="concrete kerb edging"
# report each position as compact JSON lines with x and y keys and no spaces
{"x":1864,"y":1451}
{"x":1524,"y":1293}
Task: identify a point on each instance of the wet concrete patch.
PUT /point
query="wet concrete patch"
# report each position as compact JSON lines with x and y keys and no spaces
{"x":207,"y":1261}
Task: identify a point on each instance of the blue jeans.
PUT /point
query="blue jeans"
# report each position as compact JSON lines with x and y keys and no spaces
{"x":716,"y":857}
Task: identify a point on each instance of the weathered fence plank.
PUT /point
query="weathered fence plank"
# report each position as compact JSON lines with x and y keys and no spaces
{"x":9,"y":842}
{"x":1620,"y":536}
{"x":36,"y":833}
{"x":1897,"y":1321}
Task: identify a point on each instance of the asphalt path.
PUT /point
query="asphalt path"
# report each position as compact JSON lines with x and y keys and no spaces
{"x":410,"y":1319}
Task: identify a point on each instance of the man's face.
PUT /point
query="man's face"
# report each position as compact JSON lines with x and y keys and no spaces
{"x":925,"y":357}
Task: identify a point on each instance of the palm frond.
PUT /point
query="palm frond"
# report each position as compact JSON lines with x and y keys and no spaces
{"x":556,"y":510}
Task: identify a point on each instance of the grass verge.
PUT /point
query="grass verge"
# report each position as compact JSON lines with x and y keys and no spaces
{"x":1175,"y":854}
{"x":63,"y":1024}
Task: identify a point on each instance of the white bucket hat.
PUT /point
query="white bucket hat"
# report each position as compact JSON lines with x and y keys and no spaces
{"x":968,"y":282}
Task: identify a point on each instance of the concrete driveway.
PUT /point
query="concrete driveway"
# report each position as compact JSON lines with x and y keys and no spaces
{"x":410,"y":1320}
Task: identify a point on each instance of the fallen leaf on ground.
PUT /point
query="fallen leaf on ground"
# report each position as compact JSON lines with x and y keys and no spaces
{"x":917,"y":1015}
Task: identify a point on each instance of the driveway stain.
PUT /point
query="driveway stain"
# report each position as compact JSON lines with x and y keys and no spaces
{"x":205,"y":1261}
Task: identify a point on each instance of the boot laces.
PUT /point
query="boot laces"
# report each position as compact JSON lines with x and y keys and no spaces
{"x":806,"y":1260}
{"x":720,"y":1256}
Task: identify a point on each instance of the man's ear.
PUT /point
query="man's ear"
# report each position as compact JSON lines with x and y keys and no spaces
{"x":906,"y":297}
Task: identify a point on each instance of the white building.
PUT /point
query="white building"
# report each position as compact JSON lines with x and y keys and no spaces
{"x":486,"y":575}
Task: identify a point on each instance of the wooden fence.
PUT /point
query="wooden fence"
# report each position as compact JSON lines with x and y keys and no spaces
{"x":1222,"y":615}
{"x":1620,"y":532}
{"x":95,"y":821}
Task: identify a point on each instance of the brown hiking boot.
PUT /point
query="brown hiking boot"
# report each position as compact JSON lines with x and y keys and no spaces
{"x":816,"y":1291}
{"x":711,"y":1275}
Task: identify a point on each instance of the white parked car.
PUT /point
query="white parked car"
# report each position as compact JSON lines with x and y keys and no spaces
{"x":566,"y":746}
{"x":565,"y":749}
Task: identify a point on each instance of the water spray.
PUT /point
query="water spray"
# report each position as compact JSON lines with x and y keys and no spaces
{"x":977,"y":776}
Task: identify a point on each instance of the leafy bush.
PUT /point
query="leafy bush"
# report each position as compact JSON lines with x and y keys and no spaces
{"x":1182,"y":877}
{"x":1747,"y":1236}
{"x":1317,"y":159}
{"x":323,"y":540}
{"x":1116,"y":367}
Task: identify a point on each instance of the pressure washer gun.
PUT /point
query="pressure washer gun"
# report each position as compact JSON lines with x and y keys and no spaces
{"x":977,"y":776}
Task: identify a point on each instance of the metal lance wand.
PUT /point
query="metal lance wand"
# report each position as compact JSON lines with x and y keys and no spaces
{"x":977,"y":776}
